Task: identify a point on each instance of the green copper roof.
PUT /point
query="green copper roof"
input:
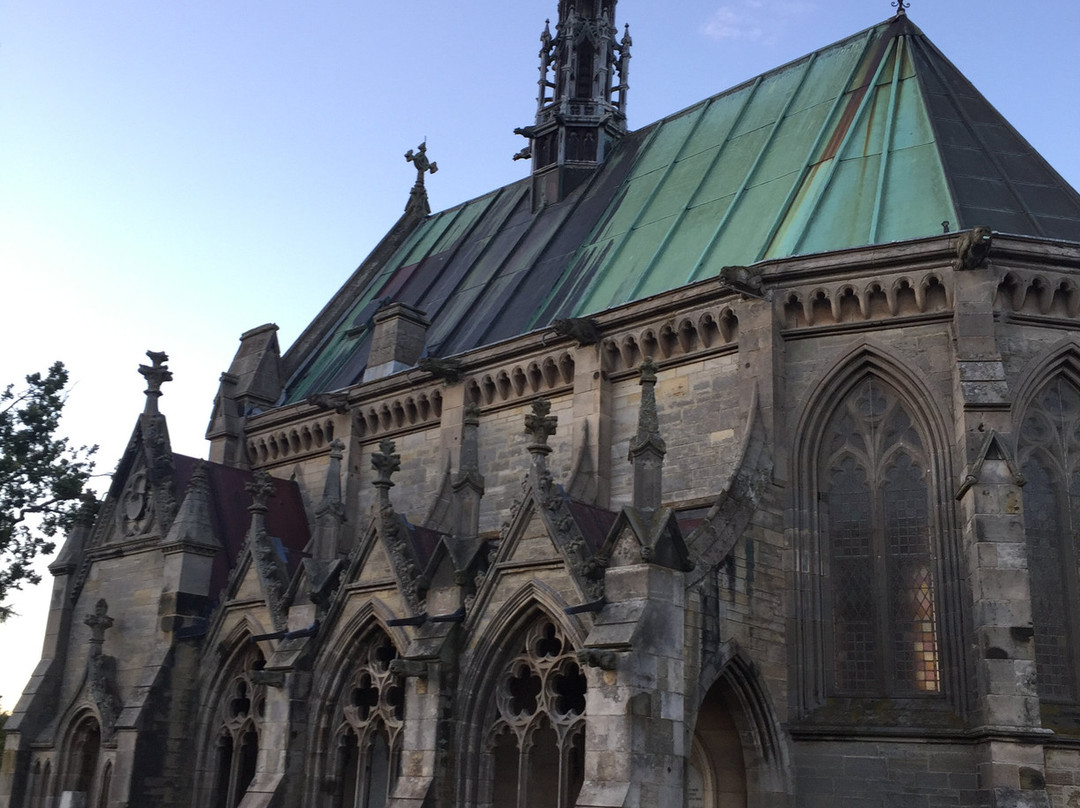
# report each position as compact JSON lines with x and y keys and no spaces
{"x":875,"y":139}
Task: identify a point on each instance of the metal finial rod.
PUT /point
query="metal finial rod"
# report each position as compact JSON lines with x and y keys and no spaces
{"x":900,"y":6}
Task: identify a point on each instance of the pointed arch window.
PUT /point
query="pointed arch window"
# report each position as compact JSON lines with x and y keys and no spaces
{"x":371,"y":718}
{"x":536,"y":744}
{"x":878,"y":550}
{"x":1049,"y":456}
{"x":80,"y":771}
{"x":240,"y":717}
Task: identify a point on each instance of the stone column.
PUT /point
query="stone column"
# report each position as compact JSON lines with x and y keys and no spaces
{"x":635,"y":734}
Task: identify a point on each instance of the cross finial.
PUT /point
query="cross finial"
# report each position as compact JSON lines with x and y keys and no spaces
{"x":901,"y":7}
{"x":419,"y":159}
{"x":156,"y":375}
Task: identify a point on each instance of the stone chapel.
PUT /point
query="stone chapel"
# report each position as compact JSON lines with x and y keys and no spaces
{"x":728,"y":462}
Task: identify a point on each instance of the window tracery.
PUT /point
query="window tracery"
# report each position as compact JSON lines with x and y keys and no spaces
{"x":537,"y":740}
{"x":875,"y":499}
{"x":240,"y":717}
{"x":1049,"y":456}
{"x":371,"y":717}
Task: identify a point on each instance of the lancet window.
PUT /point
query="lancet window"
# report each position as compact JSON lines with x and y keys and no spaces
{"x":877,"y":543}
{"x":371,"y":716}
{"x":1049,"y":455}
{"x":537,"y":741}
{"x":81,"y":775}
{"x":240,"y":717}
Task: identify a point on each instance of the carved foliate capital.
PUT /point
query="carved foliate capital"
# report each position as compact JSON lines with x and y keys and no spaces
{"x":261,"y":489}
{"x":385,"y":462}
{"x":540,"y":426}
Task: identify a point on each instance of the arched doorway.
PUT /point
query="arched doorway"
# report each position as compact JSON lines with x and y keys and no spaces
{"x":716,"y":768}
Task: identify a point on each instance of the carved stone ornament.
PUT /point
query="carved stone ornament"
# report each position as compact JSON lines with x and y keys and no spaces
{"x":135,"y":511}
{"x":566,"y":534}
{"x":261,"y":489}
{"x":157,"y":373}
{"x":99,"y":670}
{"x":540,"y":426}
{"x":449,"y":370}
{"x":386,"y":463}
{"x":973,"y":248}
{"x":744,"y":280}
{"x":582,"y":330}
{"x":395,"y":541}
{"x":420,"y":161}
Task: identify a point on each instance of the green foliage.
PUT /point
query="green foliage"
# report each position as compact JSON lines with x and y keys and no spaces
{"x":41,"y":477}
{"x":3,"y":735}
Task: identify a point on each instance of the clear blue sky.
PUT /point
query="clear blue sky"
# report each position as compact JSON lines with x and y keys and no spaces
{"x":174,"y":172}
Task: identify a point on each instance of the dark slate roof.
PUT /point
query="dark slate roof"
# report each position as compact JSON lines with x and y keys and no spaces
{"x":286,"y":519}
{"x":875,"y":139}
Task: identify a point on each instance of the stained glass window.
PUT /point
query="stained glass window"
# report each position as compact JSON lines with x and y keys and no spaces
{"x":1050,"y":460}
{"x":877,"y":537}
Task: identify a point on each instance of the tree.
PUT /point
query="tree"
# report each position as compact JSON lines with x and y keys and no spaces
{"x":41,"y":477}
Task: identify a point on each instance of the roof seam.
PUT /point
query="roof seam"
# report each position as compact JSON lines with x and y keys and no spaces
{"x":838,"y":155}
{"x":681,"y":215}
{"x":711,"y":244}
{"x":826,"y":126}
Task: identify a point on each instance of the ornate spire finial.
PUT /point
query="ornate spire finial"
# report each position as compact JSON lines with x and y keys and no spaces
{"x":385,"y":462}
{"x":99,"y":622}
{"x":901,"y":7}
{"x":540,"y":426}
{"x":420,"y":160}
{"x":261,"y":489}
{"x":156,"y":375}
{"x":418,"y":201}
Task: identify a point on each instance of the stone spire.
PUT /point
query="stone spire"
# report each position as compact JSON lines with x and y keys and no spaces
{"x":268,"y":562}
{"x":193,"y":524}
{"x":581,"y":111}
{"x":468,"y":485}
{"x":647,"y":448}
{"x":330,"y":514}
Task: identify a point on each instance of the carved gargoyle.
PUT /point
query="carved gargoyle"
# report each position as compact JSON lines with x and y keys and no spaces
{"x":580,"y":329}
{"x":973,"y":248}
{"x":449,"y":370}
{"x":744,"y":280}
{"x":597,"y":658}
{"x":338,"y":402}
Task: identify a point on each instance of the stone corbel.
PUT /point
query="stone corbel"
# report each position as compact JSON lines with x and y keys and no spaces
{"x":407,"y":668}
